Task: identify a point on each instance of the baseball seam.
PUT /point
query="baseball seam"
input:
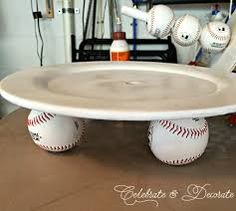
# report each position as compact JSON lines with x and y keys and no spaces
{"x":157,"y":32}
{"x":64,"y":147}
{"x":57,"y":148}
{"x":175,"y":32}
{"x":183,"y":131}
{"x":182,"y":161}
{"x":154,"y":32}
{"x":40,"y":119}
{"x":221,"y":38}
{"x":168,"y":28}
{"x":82,"y":133}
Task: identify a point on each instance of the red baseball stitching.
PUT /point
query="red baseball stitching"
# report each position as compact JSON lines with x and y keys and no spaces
{"x":184,"y":132}
{"x":157,"y":32}
{"x":57,"y":148}
{"x":221,"y":38}
{"x":168,"y":28}
{"x":175,"y":32}
{"x":40,"y":119}
{"x":63,"y":147}
{"x":182,"y":161}
{"x":152,"y":23}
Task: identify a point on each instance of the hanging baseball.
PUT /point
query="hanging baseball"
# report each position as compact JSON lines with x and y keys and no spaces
{"x":186,"y":31}
{"x":160,"y":19}
{"x":178,"y":142}
{"x":53,"y":132}
{"x":215,"y":36}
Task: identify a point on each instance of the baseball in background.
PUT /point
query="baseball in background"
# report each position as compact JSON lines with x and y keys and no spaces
{"x":18,"y":45}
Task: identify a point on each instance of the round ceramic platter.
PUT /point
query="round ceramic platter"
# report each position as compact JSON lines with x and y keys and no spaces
{"x":123,"y":90}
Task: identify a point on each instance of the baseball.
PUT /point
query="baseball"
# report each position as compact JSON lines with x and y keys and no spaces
{"x":160,"y":21}
{"x":186,"y":31}
{"x":53,"y":132}
{"x":178,"y":142}
{"x":215,"y":36}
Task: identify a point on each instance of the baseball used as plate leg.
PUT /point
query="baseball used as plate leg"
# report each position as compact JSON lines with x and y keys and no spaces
{"x":178,"y":142}
{"x":186,"y":31}
{"x":53,"y":132}
{"x":215,"y":36}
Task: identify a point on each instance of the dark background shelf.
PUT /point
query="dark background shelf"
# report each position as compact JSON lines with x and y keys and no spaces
{"x":88,"y":50}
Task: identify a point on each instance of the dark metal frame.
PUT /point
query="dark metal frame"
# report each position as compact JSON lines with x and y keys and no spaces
{"x":88,"y":50}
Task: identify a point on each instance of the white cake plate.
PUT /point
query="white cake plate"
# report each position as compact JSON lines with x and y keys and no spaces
{"x":171,"y":94}
{"x":123,"y":90}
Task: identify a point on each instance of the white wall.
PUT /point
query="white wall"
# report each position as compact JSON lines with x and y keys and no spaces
{"x":17,"y":40}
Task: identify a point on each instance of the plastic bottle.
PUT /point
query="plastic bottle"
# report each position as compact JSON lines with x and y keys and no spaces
{"x":119,"y":50}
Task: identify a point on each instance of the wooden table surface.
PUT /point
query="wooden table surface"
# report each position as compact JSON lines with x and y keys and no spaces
{"x":113,"y":153}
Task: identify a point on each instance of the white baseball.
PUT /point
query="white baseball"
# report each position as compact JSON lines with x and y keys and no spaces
{"x":186,"y":31}
{"x":178,"y":142}
{"x":160,"y":21}
{"x":53,"y":132}
{"x":215,"y":36}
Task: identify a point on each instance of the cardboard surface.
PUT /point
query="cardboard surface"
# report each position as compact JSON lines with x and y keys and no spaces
{"x":113,"y":153}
